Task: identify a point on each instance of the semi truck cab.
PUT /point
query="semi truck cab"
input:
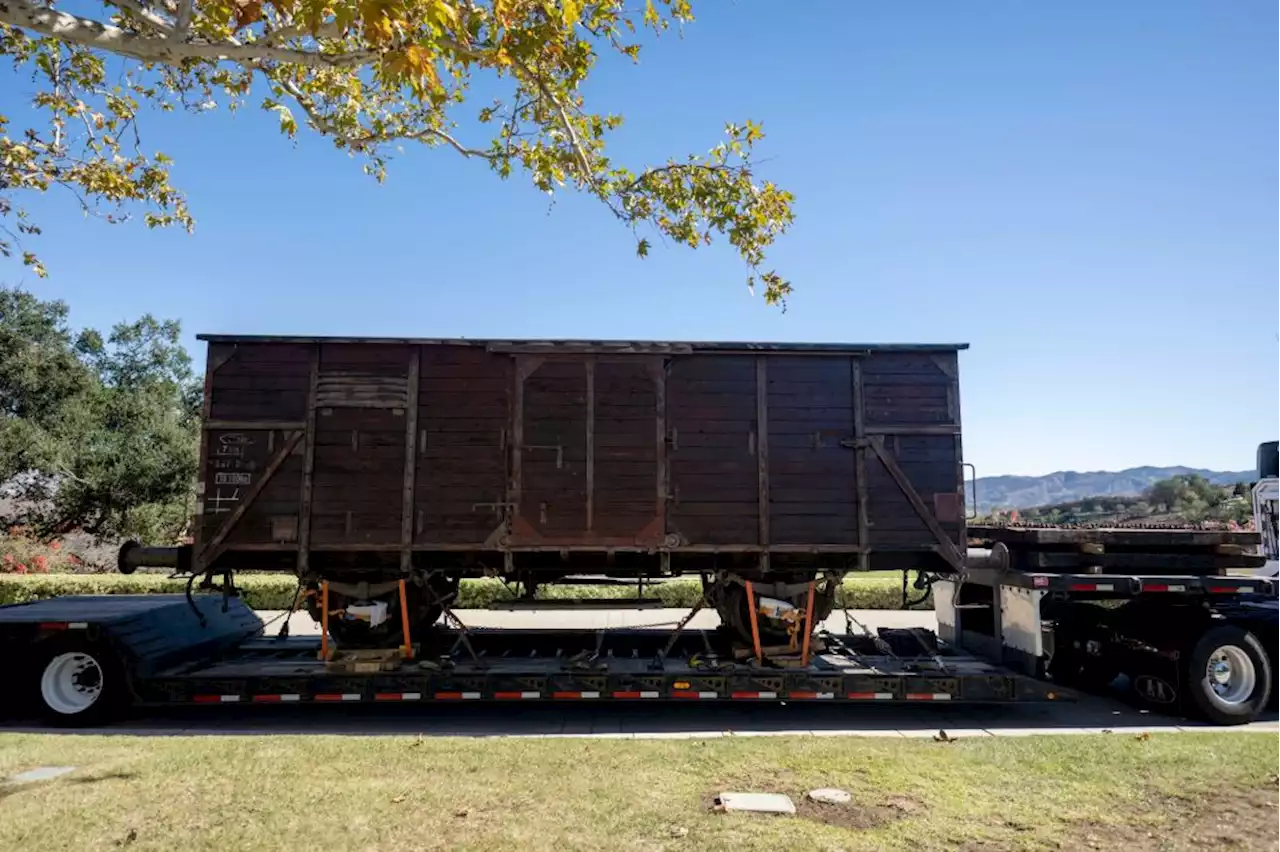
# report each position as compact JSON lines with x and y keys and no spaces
{"x":1266,"y":498}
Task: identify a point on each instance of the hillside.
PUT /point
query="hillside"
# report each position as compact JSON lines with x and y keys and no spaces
{"x":1024,"y":492}
{"x":1184,"y":499}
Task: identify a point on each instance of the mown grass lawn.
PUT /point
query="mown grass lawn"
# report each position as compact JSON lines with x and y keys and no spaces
{"x":402,"y":793}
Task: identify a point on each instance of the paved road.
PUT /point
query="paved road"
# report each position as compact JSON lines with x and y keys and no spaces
{"x":1091,"y":715}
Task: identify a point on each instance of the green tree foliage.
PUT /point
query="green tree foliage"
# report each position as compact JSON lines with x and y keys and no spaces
{"x":1189,"y":495}
{"x":96,"y":434}
{"x":371,"y":75}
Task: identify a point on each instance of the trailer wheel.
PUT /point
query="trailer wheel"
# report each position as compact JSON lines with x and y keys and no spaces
{"x":1228,"y":676}
{"x":77,"y":682}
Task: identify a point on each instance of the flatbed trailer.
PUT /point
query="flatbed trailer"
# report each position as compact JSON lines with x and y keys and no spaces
{"x":382,"y":472}
{"x":82,"y":660}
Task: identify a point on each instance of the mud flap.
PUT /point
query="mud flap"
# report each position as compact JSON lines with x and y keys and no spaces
{"x":1156,"y":682}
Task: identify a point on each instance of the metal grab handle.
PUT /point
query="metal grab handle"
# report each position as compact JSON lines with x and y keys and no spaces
{"x":974,"y":482}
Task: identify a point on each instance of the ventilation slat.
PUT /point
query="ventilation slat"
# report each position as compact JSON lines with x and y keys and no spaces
{"x":361,"y":390}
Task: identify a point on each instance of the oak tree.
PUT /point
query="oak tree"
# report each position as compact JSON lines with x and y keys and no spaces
{"x":96,"y":433}
{"x":371,"y":75}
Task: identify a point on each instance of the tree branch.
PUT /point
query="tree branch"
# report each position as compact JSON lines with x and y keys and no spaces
{"x":566,"y":123}
{"x":146,"y":14}
{"x":300,"y":30}
{"x":324,"y":124}
{"x":94,"y":34}
{"x":185,"y":10}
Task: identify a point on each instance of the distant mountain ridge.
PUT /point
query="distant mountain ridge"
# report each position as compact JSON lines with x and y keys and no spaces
{"x":1025,"y":492}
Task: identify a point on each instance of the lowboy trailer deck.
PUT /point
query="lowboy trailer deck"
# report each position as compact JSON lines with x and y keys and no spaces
{"x":84,"y":660}
{"x":160,"y":651}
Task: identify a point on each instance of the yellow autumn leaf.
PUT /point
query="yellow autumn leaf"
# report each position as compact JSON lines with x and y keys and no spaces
{"x":571,"y":11}
{"x":651,"y":14}
{"x":417,"y":58}
{"x":380,"y":30}
{"x":375,"y":15}
{"x":442,"y":13}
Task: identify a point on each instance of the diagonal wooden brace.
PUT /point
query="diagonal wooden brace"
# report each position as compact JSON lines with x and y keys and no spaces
{"x":216,"y":545}
{"x":946,"y":547}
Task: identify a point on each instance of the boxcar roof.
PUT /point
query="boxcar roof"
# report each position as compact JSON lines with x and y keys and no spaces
{"x":599,"y":345}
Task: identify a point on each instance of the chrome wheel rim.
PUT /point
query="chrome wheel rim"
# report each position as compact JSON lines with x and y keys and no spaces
{"x":1231,"y":676}
{"x":71,"y":683}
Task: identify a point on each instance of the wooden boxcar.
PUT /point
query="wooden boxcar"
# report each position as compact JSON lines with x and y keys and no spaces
{"x":536,"y":460}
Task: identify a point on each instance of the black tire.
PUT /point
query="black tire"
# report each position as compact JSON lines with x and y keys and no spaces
{"x":77,"y":683}
{"x":1242,"y":687}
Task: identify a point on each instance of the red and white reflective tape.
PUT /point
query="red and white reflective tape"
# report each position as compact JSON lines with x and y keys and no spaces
{"x":64,"y":625}
{"x":630,"y":695}
{"x":397,"y":696}
{"x":1163,"y":587}
{"x":870,"y":696}
{"x":457,"y":696}
{"x":272,"y":699}
{"x":804,"y":694}
{"x":574,"y":695}
{"x":1230,"y":590}
{"x":216,"y":699}
{"x":693,"y":693}
{"x":751,"y":695}
{"x":516,"y":696}
{"x":337,"y":696}
{"x":928,"y":696}
{"x":1092,"y":587}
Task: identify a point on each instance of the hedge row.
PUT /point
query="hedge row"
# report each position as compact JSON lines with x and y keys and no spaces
{"x":276,"y":591}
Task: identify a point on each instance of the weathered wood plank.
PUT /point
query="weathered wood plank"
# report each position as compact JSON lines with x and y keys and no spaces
{"x":762,"y":446}
{"x":410,"y":462}
{"x":308,"y":467}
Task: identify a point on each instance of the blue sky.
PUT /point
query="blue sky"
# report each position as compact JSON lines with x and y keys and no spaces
{"x":1084,"y":192}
